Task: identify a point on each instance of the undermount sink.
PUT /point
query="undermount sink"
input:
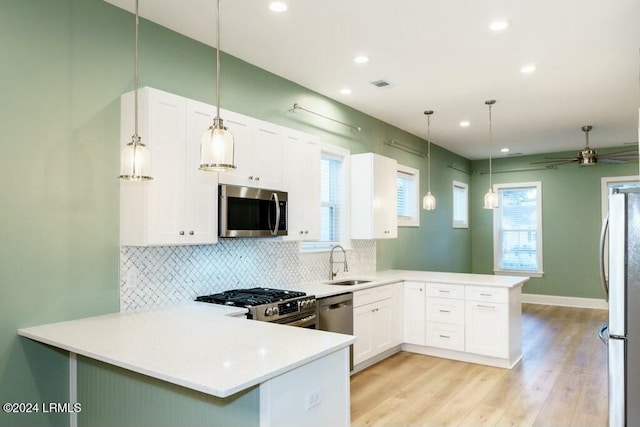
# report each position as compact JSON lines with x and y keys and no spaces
{"x":349,"y":282}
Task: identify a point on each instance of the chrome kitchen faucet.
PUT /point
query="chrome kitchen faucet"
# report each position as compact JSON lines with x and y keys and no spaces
{"x":345,"y":267}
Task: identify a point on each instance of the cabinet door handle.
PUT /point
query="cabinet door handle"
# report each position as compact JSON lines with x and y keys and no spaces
{"x":486,"y":306}
{"x":306,"y":231}
{"x":257,"y":178}
{"x":250,"y":178}
{"x":301,"y":232}
{"x":181,"y":233}
{"x":191,"y":233}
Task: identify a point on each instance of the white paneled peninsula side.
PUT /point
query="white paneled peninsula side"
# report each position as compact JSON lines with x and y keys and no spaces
{"x":193,"y":364}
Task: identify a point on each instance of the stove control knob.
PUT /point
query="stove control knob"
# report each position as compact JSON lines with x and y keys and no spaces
{"x":268,"y":312}
{"x":276,"y":311}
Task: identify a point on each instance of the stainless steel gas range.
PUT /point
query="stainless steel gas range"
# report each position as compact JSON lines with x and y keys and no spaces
{"x":291,"y":308}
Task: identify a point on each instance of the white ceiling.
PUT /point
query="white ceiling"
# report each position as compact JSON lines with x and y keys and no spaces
{"x":440,"y":55}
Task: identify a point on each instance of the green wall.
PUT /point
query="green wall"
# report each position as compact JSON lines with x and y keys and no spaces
{"x":147,"y":402}
{"x":571,"y":220}
{"x":64,"y":65}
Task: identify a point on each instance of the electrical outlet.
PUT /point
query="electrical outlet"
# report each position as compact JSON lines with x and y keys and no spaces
{"x":312,"y":398}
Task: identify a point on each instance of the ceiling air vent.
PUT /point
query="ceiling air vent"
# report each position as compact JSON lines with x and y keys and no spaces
{"x":381,"y":83}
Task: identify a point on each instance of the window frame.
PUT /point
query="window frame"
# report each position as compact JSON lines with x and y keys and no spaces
{"x":458,"y":223}
{"x":497,"y":229}
{"x":327,"y":150}
{"x":414,"y":220}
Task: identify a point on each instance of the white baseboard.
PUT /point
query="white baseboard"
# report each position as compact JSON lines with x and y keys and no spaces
{"x":565,"y":301}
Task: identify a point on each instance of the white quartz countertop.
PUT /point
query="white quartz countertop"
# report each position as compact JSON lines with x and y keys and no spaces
{"x":194,"y":345}
{"x":323,"y":288}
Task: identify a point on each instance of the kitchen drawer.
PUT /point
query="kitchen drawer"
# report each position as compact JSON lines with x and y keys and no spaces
{"x":445,"y":290}
{"x":445,"y":335}
{"x":487,"y":294}
{"x":445,"y":310}
{"x":367,"y":296}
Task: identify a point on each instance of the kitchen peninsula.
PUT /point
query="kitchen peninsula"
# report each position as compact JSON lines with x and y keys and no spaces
{"x":198,"y":366}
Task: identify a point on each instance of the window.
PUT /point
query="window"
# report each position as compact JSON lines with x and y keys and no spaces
{"x":517,"y":229}
{"x":460,"y":205}
{"x":334,"y":170}
{"x":408,"y":189}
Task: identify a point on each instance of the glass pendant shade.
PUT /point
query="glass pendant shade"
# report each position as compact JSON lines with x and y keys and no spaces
{"x":135,"y":161}
{"x":217,"y":144}
{"x":429,"y":202}
{"x":490,"y":200}
{"x":216,"y":148}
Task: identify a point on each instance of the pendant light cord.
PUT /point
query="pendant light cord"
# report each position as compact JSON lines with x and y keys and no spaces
{"x":429,"y":152}
{"x":490,"y":104}
{"x":490,"y":148}
{"x":218,"y":63}
{"x":135,"y":79}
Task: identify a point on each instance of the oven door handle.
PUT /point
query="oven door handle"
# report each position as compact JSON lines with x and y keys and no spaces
{"x":274,"y":197}
{"x":303,"y":322}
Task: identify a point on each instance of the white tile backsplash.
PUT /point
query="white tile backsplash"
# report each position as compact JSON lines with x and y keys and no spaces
{"x":162,"y":275}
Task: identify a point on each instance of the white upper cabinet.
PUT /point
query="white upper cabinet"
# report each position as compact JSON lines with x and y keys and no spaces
{"x":179,"y":206}
{"x":301,"y":179}
{"x":258,"y":152}
{"x":374,"y":211}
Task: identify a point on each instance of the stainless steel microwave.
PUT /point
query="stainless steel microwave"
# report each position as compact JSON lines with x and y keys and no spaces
{"x":251,"y":212}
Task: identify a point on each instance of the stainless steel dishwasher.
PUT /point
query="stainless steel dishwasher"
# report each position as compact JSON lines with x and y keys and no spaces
{"x":335,"y":314}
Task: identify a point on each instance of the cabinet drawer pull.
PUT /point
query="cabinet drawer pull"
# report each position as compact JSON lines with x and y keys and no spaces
{"x":486,"y":306}
{"x":181,"y":233}
{"x":257,"y":178}
{"x":445,"y":336}
{"x":486,"y":295}
{"x":444,"y":291}
{"x":445,"y":311}
{"x":250,"y":178}
{"x":191,"y":233}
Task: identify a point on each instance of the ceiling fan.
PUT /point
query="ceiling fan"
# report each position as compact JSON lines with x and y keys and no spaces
{"x":588,"y":156}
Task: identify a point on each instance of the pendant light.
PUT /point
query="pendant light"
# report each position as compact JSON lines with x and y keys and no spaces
{"x":217,"y":144}
{"x":429,"y":201}
{"x":135,"y":159}
{"x":490,"y":199}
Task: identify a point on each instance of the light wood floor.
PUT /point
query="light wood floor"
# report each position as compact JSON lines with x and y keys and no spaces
{"x":561,"y":381}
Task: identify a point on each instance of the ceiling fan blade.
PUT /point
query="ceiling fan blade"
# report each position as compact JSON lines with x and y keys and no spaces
{"x":612,"y":161}
{"x":561,"y":160}
{"x":626,"y":153}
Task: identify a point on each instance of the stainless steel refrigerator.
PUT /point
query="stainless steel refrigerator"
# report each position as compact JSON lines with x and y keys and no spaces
{"x":622,"y":335}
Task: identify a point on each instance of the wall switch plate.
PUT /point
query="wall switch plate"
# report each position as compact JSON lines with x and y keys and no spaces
{"x":312,"y":398}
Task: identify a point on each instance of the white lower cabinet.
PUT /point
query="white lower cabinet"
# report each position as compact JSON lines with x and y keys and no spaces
{"x":487,"y":329}
{"x":488,"y":314}
{"x":414,"y":313}
{"x":375,"y":321}
{"x":472,"y":323}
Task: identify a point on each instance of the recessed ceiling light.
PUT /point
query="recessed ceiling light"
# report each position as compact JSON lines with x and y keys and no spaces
{"x":499,"y":25}
{"x":528,"y":69}
{"x":278,"y":6}
{"x":464,"y":124}
{"x":345,"y":91}
{"x":504,"y":150}
{"x":361,"y":59}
